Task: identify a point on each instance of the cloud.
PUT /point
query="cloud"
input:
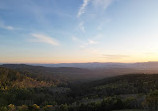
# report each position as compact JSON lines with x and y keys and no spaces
{"x":82,"y":8}
{"x":7,"y":27}
{"x":98,"y":8}
{"x":92,"y":42}
{"x":88,"y":43}
{"x":115,"y":56}
{"x":102,"y":3}
{"x":81,"y":26}
{"x":45,"y":39}
{"x":103,"y":23}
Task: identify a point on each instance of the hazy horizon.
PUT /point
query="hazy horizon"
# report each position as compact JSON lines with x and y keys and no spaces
{"x":80,"y":62}
{"x":78,"y":31}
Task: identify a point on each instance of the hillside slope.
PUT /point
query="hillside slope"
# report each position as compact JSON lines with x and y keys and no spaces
{"x":124,"y":84}
{"x":68,"y":74}
{"x":13,"y":79}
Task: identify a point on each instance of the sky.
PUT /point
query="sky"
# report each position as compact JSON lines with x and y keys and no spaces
{"x":69,"y":31}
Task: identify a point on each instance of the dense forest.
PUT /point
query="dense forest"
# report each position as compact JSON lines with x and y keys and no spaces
{"x":36,"y":88}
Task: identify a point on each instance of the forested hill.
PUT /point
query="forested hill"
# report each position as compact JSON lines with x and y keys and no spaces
{"x":23,"y":67}
{"x":59,"y":75}
{"x":56,"y":76}
{"x":123,"y":84}
{"x":21,"y":92}
{"x":13,"y":79}
{"x":65,"y":75}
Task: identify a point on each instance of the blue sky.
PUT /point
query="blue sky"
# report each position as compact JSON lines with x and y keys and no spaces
{"x":65,"y":31}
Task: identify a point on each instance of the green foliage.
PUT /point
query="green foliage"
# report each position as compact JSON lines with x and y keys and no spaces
{"x":125,"y":84}
{"x":23,"y":108}
{"x":3,"y":108}
{"x":48,"y":107}
{"x":63,"y":107}
{"x":152,"y":100}
{"x":11,"y":107}
{"x":21,"y":92}
{"x":130,"y":102}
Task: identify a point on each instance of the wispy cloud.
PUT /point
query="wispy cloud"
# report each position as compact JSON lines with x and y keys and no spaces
{"x":99,"y":7}
{"x":82,"y":8}
{"x":81,"y":26}
{"x":45,"y":39}
{"x":102,"y":3}
{"x":7,"y":27}
{"x":103,"y":23}
{"x":92,"y":42}
{"x":88,"y":42}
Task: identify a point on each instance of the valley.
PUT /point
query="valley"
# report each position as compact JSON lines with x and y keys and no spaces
{"x":70,"y":89}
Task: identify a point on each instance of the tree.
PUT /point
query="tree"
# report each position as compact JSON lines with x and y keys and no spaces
{"x":11,"y":107}
{"x":152,"y":100}
{"x":64,"y":107}
{"x":23,"y":108}
{"x":3,"y":108}
{"x":34,"y":107}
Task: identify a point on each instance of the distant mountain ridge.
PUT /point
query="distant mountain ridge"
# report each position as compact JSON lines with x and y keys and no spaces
{"x":68,"y":72}
{"x":94,"y":65}
{"x":53,"y":75}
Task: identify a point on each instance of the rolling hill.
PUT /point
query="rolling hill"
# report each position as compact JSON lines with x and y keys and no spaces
{"x":13,"y":79}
